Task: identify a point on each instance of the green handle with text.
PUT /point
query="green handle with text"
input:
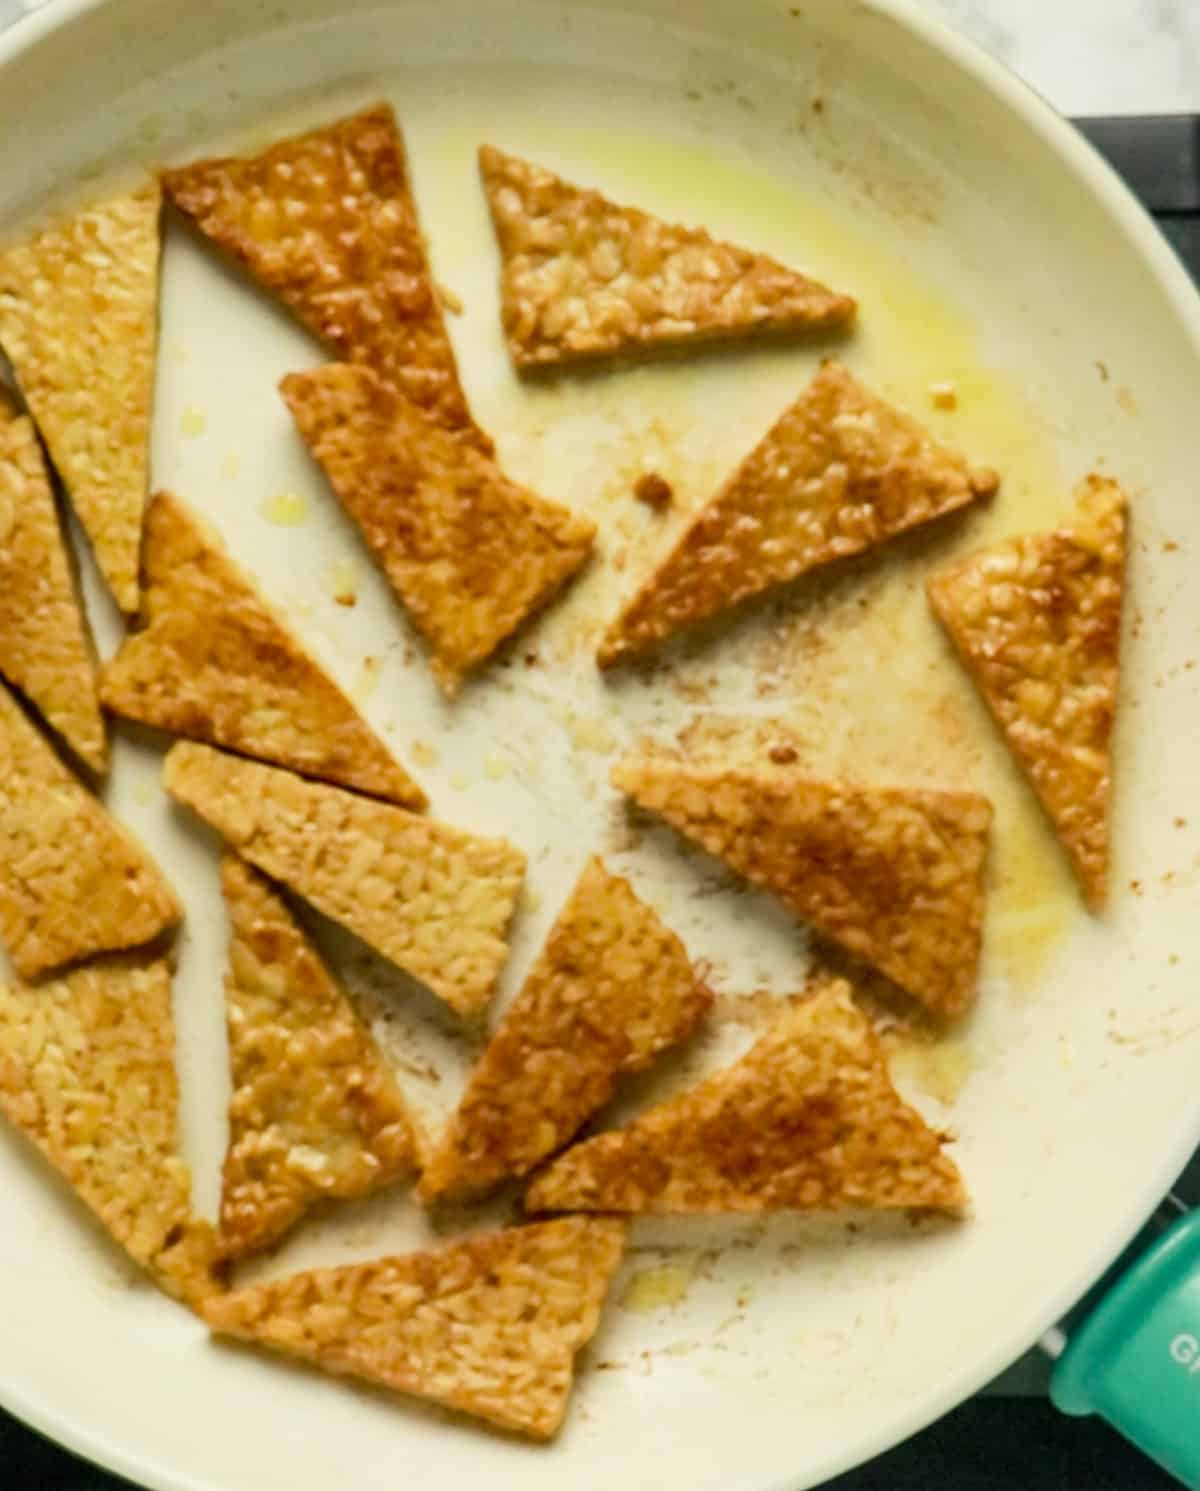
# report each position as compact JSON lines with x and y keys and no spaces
{"x":1136,"y":1359}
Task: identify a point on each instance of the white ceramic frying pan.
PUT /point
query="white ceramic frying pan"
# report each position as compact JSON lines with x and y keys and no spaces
{"x":989,"y":249}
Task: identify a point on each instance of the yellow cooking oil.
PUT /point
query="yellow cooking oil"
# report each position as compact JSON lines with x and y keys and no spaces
{"x":877,"y":694}
{"x":285,"y":509}
{"x":912,"y":336}
{"x":496,"y":766}
{"x":340,"y":581}
{"x":1033,"y":899}
{"x":923,"y":350}
{"x":193,"y":421}
{"x":939,"y":1069}
{"x":657,"y":1288}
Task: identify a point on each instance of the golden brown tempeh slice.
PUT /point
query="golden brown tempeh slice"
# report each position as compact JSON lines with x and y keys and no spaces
{"x":433,"y":899}
{"x":893,"y":875}
{"x":582,"y":277}
{"x":215,"y":662}
{"x":489,"y":1326}
{"x":79,"y":321}
{"x":808,"y":1120}
{"x":73,"y":881}
{"x":327,"y":221}
{"x":1037,"y":624}
{"x":471,"y":554}
{"x":87,"y":1073}
{"x":315,"y":1112}
{"x":46,"y":648}
{"x":839,"y":472}
{"x":611,"y":990}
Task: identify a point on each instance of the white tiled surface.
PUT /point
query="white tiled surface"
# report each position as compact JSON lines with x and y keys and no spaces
{"x":1092,"y":56}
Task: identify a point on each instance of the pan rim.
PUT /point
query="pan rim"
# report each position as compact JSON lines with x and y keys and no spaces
{"x":1075,"y":155}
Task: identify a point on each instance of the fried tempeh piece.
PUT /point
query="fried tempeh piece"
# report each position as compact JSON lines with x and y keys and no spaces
{"x":87,"y":1073}
{"x":315,"y":1111}
{"x":471,"y":554}
{"x":582,"y":277}
{"x":807,"y":1120}
{"x":611,"y":990}
{"x":489,"y":1326}
{"x":73,"y":881}
{"x":1037,"y":624}
{"x":893,"y":875}
{"x":46,"y":648}
{"x":327,"y":221}
{"x":215,"y":662}
{"x":433,"y":899}
{"x":839,"y":472}
{"x":79,"y":321}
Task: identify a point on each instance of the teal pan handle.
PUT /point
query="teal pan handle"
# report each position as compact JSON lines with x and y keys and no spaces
{"x":1135,"y":1360}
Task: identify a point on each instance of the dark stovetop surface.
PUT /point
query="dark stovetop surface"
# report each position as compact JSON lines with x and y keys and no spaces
{"x":992,"y":1443}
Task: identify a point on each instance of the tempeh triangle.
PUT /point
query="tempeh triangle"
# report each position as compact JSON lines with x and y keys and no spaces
{"x":315,"y":1112}
{"x":582,"y":277}
{"x":79,"y":322}
{"x":73,"y":881}
{"x":87,"y":1073}
{"x":489,"y":1326}
{"x":46,"y":648}
{"x":433,"y":899}
{"x":327,"y":221}
{"x":611,"y":990}
{"x":807,"y":1120}
{"x":840,"y":472}
{"x":1037,"y":624}
{"x":215,"y":662}
{"x":894,"y":875}
{"x":470,"y":554}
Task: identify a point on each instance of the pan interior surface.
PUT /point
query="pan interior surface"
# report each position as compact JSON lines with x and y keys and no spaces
{"x":989,"y":251}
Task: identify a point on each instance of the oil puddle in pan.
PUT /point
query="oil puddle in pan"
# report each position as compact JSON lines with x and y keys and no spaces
{"x":853,"y":663}
{"x":939,"y":1069}
{"x":1034,"y":902}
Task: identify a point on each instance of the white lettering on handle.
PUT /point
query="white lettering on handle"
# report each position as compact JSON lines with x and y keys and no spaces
{"x":1186,"y":1351}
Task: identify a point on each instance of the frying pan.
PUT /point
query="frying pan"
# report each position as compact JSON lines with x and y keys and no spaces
{"x":989,"y":248}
